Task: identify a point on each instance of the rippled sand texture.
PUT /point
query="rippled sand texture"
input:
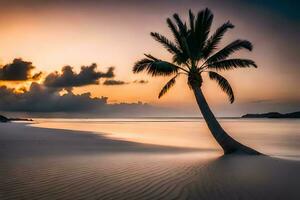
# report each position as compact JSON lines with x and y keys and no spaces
{"x":54,"y":164}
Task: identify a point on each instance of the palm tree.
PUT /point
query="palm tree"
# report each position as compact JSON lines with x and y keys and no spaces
{"x":194,"y":54}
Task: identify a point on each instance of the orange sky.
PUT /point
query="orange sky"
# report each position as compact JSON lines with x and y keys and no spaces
{"x":54,"y":36}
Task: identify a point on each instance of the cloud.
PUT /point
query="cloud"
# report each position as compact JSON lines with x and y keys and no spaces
{"x":114,"y":82}
{"x":37,"y":76}
{"x":18,"y":70}
{"x":40,"y":99}
{"x":260,"y":101}
{"x":111,"y":82}
{"x":141,"y":81}
{"x":55,"y":96}
{"x":68,"y":78}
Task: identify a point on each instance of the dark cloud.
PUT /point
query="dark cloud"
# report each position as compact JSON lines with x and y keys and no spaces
{"x":68,"y":78}
{"x":37,"y":76}
{"x":41,"y":99}
{"x":114,"y":82}
{"x":141,"y":81}
{"x":18,"y":70}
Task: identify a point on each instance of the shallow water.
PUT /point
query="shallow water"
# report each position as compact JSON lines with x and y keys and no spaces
{"x":275,"y":137}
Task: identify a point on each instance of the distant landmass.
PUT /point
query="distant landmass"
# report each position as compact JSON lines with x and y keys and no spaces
{"x":273,"y":115}
{"x":5,"y":119}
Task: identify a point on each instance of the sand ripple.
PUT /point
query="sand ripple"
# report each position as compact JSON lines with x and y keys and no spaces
{"x":105,"y":177}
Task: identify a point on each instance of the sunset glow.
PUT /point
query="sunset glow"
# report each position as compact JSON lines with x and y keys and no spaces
{"x":52,"y":36}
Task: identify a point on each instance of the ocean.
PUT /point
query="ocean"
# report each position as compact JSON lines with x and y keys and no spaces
{"x":274,"y":137}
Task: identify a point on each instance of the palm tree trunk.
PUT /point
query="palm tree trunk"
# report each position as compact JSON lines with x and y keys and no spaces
{"x":228,"y":144}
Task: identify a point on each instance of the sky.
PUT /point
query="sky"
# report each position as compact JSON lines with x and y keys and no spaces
{"x":96,"y":43}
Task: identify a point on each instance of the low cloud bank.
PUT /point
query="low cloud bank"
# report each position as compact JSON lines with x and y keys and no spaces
{"x":40,"y":99}
{"x":54,"y":93}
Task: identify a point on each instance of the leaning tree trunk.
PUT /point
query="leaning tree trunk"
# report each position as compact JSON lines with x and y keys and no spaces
{"x":228,"y":144}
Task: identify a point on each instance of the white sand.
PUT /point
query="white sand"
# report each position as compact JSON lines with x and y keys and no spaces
{"x":39,"y":163}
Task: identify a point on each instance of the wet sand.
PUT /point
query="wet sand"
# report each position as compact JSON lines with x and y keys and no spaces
{"x":40,"y":163}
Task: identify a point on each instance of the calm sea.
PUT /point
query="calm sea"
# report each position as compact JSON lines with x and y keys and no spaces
{"x":275,"y":137}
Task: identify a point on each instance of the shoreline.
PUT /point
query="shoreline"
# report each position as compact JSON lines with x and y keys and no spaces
{"x":268,"y":137}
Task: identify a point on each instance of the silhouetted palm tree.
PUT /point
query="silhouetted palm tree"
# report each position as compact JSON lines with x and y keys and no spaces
{"x":195,"y":53}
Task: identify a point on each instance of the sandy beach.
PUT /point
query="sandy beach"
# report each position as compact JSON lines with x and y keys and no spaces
{"x":40,"y":163}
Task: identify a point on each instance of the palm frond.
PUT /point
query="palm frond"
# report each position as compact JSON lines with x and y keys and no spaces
{"x":192,"y":21}
{"x":229,"y":49}
{"x":215,"y":39}
{"x":181,"y":26}
{"x":175,"y":32}
{"x":170,"y":46}
{"x":167,"y":87}
{"x":202,"y":26}
{"x":190,"y":39}
{"x":177,"y":59}
{"x":154,"y":66}
{"x":231,"y":63}
{"x":223,"y":83}
{"x":187,"y":48}
{"x":178,"y":39}
{"x":151,"y":57}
